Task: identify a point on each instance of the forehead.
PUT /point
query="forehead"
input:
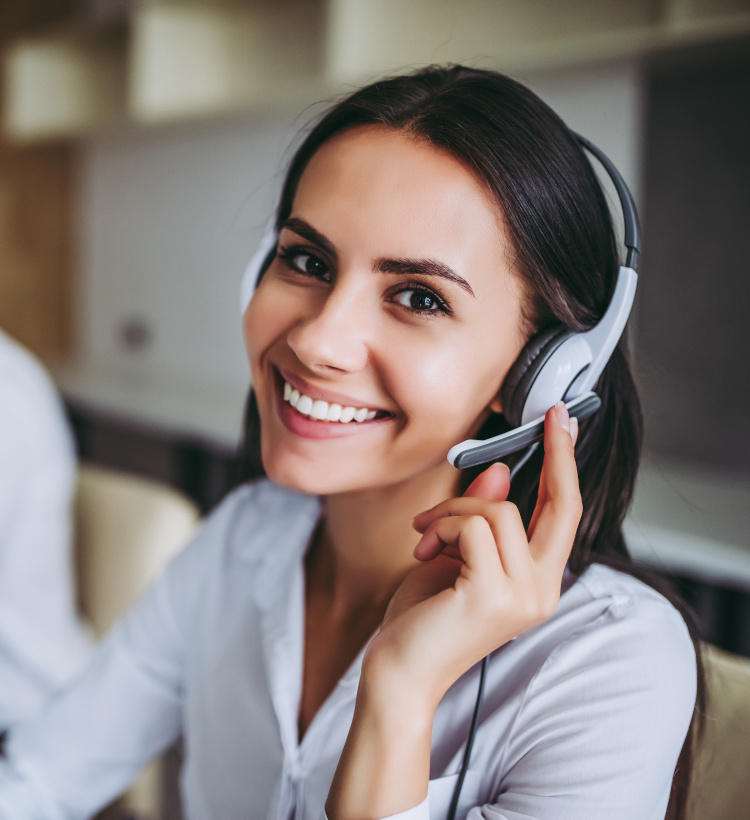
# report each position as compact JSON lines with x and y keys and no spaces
{"x":402,"y":191}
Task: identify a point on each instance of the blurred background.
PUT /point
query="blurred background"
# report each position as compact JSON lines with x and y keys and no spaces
{"x":141,"y":154}
{"x":142,"y":146}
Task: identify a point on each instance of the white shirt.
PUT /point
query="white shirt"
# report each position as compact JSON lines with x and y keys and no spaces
{"x":583,"y":716}
{"x":41,"y":640}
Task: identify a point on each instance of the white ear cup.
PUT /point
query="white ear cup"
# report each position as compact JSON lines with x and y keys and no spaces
{"x":553,"y":380}
{"x":252,"y":271}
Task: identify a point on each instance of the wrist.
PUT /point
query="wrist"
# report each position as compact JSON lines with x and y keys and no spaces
{"x":398,"y":695}
{"x":384,"y":767}
{"x":391,"y":702}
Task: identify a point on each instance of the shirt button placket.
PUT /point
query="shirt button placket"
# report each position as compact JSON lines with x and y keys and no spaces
{"x":289,"y":790}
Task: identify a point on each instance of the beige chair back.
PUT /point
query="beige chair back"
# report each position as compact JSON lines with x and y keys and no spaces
{"x":721,"y":781}
{"x":126,"y":529}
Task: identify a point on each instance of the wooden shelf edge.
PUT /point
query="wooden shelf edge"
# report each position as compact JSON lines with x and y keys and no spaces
{"x":529,"y":58}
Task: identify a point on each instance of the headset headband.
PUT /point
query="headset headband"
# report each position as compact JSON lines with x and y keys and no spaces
{"x":627,"y":204}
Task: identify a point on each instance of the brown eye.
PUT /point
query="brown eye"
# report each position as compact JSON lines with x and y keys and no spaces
{"x":304,"y":262}
{"x":309,"y":264}
{"x":419,"y":301}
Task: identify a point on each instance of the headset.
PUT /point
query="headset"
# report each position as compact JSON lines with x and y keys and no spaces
{"x":556,"y":364}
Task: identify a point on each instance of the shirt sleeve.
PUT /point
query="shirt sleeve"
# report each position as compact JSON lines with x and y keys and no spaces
{"x":91,"y":740}
{"x":42,"y":642}
{"x":603,"y":722}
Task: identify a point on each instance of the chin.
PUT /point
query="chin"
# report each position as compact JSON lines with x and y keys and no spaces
{"x":303,"y":476}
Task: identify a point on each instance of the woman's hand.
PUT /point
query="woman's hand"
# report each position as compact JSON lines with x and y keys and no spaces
{"x":483,"y":580}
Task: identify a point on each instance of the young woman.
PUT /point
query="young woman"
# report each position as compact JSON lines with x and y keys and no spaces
{"x":319,"y":643}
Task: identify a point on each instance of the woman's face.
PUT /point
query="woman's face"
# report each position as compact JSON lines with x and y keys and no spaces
{"x":392,"y":293}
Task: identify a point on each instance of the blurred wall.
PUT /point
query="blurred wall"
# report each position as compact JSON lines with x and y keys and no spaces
{"x":167,"y":221}
{"x":693,"y":333}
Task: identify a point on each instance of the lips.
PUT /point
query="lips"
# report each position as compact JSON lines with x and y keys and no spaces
{"x":314,"y":413}
{"x":320,"y":410}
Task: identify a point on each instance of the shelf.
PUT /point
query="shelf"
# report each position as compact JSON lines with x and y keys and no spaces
{"x":193,"y":59}
{"x":64,"y":85}
{"x":370,"y":37}
{"x":199,"y":58}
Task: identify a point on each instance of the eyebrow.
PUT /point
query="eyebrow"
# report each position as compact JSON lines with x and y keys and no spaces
{"x":402,"y":267}
{"x":306,"y":231}
{"x":423,"y":267}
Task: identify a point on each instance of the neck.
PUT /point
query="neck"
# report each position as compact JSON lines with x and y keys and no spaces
{"x":364,"y":549}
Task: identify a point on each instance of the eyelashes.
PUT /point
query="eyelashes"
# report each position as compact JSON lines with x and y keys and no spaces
{"x":420,"y":299}
{"x":313,"y":266}
{"x":413,"y":296}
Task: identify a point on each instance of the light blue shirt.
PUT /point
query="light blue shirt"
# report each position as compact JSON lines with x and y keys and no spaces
{"x":583,"y":716}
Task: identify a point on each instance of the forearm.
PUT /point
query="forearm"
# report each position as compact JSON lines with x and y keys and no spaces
{"x":384,"y":768}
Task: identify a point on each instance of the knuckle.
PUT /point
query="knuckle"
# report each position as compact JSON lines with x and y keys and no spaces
{"x":476,"y":525}
{"x":547,"y":607}
{"x":570,"y":505}
{"x":503,"y":513}
{"x":576,"y":505}
{"x":505,"y":509}
{"x":529,"y":609}
{"x":539,"y":606}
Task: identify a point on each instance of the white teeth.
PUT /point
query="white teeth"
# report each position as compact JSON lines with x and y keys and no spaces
{"x":319,"y":410}
{"x":322,"y":411}
{"x":304,"y":405}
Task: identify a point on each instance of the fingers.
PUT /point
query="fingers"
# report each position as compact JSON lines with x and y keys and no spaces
{"x":491,"y":548}
{"x":558,"y":512}
{"x":454,"y":535}
{"x":554,"y":522}
{"x":542,"y":493}
{"x":492,"y":485}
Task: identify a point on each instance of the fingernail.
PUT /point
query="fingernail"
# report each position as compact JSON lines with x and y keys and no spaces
{"x":574,"y":428}
{"x":561,"y":413}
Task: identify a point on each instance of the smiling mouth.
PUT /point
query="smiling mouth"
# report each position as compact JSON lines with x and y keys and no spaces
{"x":319,"y":410}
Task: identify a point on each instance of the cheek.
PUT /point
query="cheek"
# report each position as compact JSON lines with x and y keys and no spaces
{"x":448,"y":383}
{"x":265,"y":320}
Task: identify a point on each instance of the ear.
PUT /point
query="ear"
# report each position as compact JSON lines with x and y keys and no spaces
{"x":495,"y":405}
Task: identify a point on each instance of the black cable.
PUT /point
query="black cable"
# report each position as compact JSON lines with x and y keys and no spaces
{"x":482,"y":675}
{"x":469,"y":741}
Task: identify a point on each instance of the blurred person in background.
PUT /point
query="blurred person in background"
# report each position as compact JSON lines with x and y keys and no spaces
{"x":42,"y":641}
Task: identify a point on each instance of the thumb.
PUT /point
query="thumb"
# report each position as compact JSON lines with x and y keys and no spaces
{"x":493,"y":484}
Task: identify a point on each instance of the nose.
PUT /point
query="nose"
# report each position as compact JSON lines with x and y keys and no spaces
{"x":332,"y":337}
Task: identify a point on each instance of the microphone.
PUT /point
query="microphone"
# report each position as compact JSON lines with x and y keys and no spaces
{"x":472,"y":452}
